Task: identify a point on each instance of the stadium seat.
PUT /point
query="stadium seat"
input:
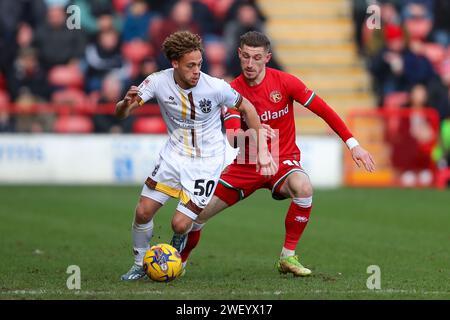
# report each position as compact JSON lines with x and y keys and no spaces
{"x":120,"y":5}
{"x":4,"y":97}
{"x":395,"y":99}
{"x":442,"y":178}
{"x":435,"y":53}
{"x":71,"y":101}
{"x":73,"y":124}
{"x":155,"y":125}
{"x":73,"y":97}
{"x":136,"y":50}
{"x":2,"y":82}
{"x":66,"y":76}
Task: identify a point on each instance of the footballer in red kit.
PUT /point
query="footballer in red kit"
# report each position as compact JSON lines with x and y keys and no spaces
{"x":273,"y":99}
{"x":273,"y":93}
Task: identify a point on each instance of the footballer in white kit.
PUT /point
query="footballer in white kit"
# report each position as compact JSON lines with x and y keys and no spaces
{"x":191,"y":161}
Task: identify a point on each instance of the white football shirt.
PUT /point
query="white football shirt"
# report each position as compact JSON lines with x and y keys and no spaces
{"x":192,"y":116}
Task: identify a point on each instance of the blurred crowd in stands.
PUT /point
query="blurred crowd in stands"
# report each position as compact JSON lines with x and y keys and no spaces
{"x":409,"y":59}
{"x":45,"y":63}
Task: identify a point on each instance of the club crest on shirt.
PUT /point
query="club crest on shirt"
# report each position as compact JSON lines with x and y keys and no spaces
{"x":205,"y":105}
{"x":275,"y":96}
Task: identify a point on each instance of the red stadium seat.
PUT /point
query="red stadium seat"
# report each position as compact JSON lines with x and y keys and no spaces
{"x":4,"y":97}
{"x":155,"y":125}
{"x":120,"y":5}
{"x":396,"y":99}
{"x":136,"y":50}
{"x":66,"y":76}
{"x":73,"y":97}
{"x":2,"y":82}
{"x":73,"y":124}
{"x":442,"y":178}
{"x":435,"y":53}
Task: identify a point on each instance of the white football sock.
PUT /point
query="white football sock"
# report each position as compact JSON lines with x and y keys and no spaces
{"x":142,"y":234}
{"x":287,"y":253}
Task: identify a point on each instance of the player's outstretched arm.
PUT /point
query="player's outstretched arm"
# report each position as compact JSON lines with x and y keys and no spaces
{"x":129,"y":102}
{"x":359,"y":154}
{"x":265,"y":162}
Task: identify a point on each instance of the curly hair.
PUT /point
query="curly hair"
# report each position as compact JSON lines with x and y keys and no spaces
{"x":181,"y":42}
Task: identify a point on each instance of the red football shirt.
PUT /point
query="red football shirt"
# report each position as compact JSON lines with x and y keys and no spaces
{"x":273,"y":99}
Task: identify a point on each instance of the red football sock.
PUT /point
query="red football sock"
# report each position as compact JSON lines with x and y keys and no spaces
{"x":295,"y":222}
{"x":192,"y":241}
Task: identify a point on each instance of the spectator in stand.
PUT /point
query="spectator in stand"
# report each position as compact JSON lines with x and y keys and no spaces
{"x":427,"y":4}
{"x":6,"y":122}
{"x":412,"y":142}
{"x":233,"y":9}
{"x":28,"y":76}
{"x":56,"y":43}
{"x":181,"y":18}
{"x":112,"y":91}
{"x":24,"y":39}
{"x":137,"y":21}
{"x":439,"y":91}
{"x":146,"y":67}
{"x":97,"y":16}
{"x":28,"y":85}
{"x":204,"y":17}
{"x":216,"y":54}
{"x":102,"y":57}
{"x":418,"y":22}
{"x":373,"y":39}
{"x":13,"y":15}
{"x":442,"y":22}
{"x":247,"y":19}
{"x":162,"y":7}
{"x":396,"y":67}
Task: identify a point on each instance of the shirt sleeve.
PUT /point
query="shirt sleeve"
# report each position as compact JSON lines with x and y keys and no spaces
{"x":147,"y":89}
{"x":232,"y":119}
{"x":230,"y":97}
{"x":298,"y":90}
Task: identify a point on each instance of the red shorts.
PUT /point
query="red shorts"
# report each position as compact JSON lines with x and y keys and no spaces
{"x":238,"y":181}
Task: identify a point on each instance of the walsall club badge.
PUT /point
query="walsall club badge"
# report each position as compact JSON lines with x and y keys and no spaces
{"x":275,"y":96}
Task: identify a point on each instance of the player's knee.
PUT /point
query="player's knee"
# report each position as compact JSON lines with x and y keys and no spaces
{"x":142,"y":214}
{"x":303,"y":190}
{"x":180,"y":226}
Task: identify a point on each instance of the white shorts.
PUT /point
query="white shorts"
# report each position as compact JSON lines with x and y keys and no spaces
{"x":192,"y":180}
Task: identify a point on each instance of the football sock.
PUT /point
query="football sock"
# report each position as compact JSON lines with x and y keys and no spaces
{"x":142,"y":234}
{"x":192,"y":240}
{"x":295,"y":222}
{"x":287,"y":253}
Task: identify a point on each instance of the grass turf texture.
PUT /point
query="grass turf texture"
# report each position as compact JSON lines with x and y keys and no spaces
{"x":406,"y":233}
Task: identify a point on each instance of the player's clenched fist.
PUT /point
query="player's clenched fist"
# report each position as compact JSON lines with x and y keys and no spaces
{"x":131,"y":95}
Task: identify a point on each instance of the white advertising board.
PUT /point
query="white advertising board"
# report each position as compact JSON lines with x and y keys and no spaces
{"x":129,"y":159}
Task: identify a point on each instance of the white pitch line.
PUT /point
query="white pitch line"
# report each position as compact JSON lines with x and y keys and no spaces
{"x":276,"y":293}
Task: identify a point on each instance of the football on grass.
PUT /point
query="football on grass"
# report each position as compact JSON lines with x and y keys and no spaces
{"x":162,"y":263}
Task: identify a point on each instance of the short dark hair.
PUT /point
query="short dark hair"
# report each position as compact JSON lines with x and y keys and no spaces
{"x":181,"y":42}
{"x":255,"y":39}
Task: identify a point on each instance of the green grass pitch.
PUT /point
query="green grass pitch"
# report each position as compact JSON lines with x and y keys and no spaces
{"x":406,"y":233}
